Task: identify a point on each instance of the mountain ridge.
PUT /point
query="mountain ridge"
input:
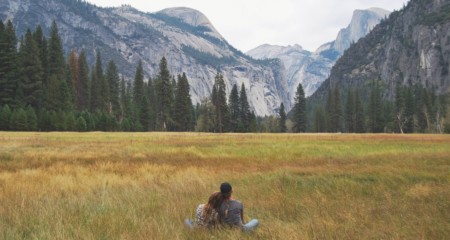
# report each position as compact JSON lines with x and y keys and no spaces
{"x":410,"y":47}
{"x":312,"y":68}
{"x":127,"y":35}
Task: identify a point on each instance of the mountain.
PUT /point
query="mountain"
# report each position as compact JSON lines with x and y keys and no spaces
{"x":363,"y":21}
{"x":410,"y":47}
{"x":312,"y":68}
{"x":184,"y":36}
{"x":302,"y":66}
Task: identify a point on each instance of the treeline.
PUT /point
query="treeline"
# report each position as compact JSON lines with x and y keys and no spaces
{"x":41,"y":90}
{"x":414,"y":110}
{"x":217,"y":114}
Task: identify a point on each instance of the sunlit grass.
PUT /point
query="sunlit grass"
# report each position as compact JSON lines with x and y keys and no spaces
{"x":142,"y":185}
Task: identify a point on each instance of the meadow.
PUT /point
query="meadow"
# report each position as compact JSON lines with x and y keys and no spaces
{"x":300,"y":186}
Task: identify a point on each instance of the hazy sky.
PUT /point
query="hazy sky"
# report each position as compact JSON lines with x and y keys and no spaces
{"x":247,"y":24}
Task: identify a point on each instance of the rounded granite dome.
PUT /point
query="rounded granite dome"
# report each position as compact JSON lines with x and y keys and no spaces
{"x":189,"y":16}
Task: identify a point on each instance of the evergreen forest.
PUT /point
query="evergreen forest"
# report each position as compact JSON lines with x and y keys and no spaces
{"x":44,"y":89}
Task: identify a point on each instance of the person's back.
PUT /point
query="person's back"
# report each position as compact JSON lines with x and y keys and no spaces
{"x":204,"y":219}
{"x":230,"y":213}
{"x":207,"y":215}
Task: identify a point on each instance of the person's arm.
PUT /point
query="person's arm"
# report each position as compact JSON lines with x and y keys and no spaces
{"x":242,"y":213}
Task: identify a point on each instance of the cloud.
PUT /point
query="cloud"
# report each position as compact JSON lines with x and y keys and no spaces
{"x":250,"y":23}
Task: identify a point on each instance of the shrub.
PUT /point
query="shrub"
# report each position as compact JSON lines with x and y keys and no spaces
{"x":81,"y":124}
{"x":447,"y":128}
{"x":5,"y":115}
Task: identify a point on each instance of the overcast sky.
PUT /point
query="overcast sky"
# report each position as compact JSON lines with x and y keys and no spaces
{"x":247,"y":24}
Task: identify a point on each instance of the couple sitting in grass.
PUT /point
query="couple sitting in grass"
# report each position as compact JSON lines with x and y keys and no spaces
{"x":221,"y":209}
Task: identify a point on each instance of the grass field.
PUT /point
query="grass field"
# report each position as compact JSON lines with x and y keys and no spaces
{"x":142,"y":185}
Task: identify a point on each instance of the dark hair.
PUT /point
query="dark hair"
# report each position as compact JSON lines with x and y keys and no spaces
{"x":225,"y":188}
{"x":215,"y":200}
{"x":214,"y":203}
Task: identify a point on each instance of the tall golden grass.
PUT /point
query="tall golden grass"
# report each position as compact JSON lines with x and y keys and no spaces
{"x":300,"y":186}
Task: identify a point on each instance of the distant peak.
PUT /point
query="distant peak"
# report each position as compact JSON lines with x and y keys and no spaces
{"x":295,"y":46}
{"x":188,"y":15}
{"x":379,"y":11}
{"x":180,"y":9}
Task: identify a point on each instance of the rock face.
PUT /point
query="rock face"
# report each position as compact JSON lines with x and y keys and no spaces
{"x":312,"y":68}
{"x":184,"y":36}
{"x":411,"y":47}
{"x":363,"y":21}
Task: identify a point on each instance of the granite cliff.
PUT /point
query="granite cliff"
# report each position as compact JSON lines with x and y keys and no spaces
{"x":184,"y":36}
{"x":410,"y":47}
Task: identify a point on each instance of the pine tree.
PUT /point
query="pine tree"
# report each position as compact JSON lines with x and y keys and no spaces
{"x":94,"y":94}
{"x":207,"y":116}
{"x":41,"y":43}
{"x":70,"y":87}
{"x":54,"y":94}
{"x":19,"y":96}
{"x":70,"y":121}
{"x":44,"y":121}
{"x":409,"y":111}
{"x":183,"y":105}
{"x":164,"y":90}
{"x":138,"y":86}
{"x":59,"y":121}
{"x":81,"y":125}
{"x":253,"y":123}
{"x":90,"y":121}
{"x":334,"y":110}
{"x":219,"y":100}
{"x":283,"y":118}
{"x":319,"y":120}
{"x":113,"y":79}
{"x":125,"y":125}
{"x":153,"y":103}
{"x":5,"y":116}
{"x":234,"y":109}
{"x":18,"y":121}
{"x":428,"y":102}
{"x":299,"y":117}
{"x":441,"y":112}
{"x":82,"y":86}
{"x":359,"y":113}
{"x":32,"y":72}
{"x":145,"y":113}
{"x":329,"y":110}
{"x":52,"y":120}
{"x":73,"y":72}
{"x":244,"y":108}
{"x":375,"y":110}
{"x":350,"y":113}
{"x":32,"y":121}
{"x":56,"y":65}
{"x":138,"y":92}
{"x":99,"y":95}
{"x":128,"y":104}
{"x":60,"y":98}
{"x":123,"y":102}
{"x":422,"y":111}
{"x":103,"y":97}
{"x":8,"y":66}
{"x":400,"y":108}
{"x":338,"y":110}
{"x":174,"y":88}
